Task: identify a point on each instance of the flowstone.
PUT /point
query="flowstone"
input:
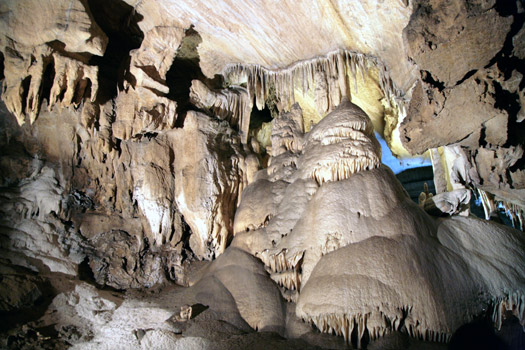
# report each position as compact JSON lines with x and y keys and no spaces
{"x":344,"y":241}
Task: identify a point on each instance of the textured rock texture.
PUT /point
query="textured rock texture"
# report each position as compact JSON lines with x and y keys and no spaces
{"x":196,"y":174}
{"x":319,"y":241}
{"x":470,"y":89}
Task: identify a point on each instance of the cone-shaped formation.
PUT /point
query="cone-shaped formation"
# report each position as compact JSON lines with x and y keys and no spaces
{"x":328,"y":73}
{"x":342,"y":144}
{"x":358,"y":257}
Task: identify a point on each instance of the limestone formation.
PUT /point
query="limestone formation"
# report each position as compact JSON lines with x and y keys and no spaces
{"x":214,"y":174}
{"x":463,"y":82}
{"x":319,"y":250}
{"x":62,"y":38}
{"x":210,"y":165}
{"x":232,"y":104}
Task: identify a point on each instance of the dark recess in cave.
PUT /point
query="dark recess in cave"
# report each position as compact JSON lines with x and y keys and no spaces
{"x":478,"y":335}
{"x":120,"y":23}
{"x":185,"y":239}
{"x":413,"y":181}
{"x":429,"y":79}
{"x":30,"y":310}
{"x":1,"y":66}
{"x":26,"y":83}
{"x":47,"y":81}
{"x":184,"y":69}
{"x":507,"y":63}
{"x":258,"y":117}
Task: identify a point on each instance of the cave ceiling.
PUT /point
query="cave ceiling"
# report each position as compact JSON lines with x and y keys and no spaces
{"x":276,"y":34}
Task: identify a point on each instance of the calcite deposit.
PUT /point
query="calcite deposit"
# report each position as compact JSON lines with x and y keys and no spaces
{"x":214,"y":174}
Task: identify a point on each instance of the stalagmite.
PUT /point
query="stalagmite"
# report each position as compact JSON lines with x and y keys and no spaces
{"x":207,"y":199}
{"x":360,"y":210}
{"x":340,"y":145}
{"x":337,"y":148}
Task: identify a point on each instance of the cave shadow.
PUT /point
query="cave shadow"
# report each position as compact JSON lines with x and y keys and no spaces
{"x":119,"y":21}
{"x":185,"y":68}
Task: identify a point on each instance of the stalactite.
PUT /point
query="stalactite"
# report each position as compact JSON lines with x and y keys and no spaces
{"x":514,"y":303}
{"x":72,"y":79}
{"x":376,"y":324}
{"x":514,"y":213}
{"x":334,"y":68}
{"x":285,"y":270}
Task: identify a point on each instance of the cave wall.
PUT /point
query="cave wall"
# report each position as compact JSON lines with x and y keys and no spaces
{"x":132,"y":158}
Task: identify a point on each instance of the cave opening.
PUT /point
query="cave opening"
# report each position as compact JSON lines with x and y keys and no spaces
{"x":258,"y":117}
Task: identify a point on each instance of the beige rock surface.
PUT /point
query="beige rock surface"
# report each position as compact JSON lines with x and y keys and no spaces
{"x":63,"y":36}
{"x":209,"y":166}
{"x":228,"y":147}
{"x":451,"y":39}
{"x":247,"y":32}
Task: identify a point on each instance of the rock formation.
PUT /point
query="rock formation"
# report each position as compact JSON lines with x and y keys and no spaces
{"x":187,"y":174}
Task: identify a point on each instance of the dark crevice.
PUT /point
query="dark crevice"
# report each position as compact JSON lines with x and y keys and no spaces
{"x":427,"y":77}
{"x":519,"y":165}
{"x":25,"y":92}
{"x":510,"y":103}
{"x":85,"y":273}
{"x":468,"y":75}
{"x":146,"y":135}
{"x":185,"y":68}
{"x":82,"y":89}
{"x":2,"y":66}
{"x":505,"y":60}
{"x":258,"y":117}
{"x":506,"y":100}
{"x":506,"y":8}
{"x":482,"y":136}
{"x":186,"y":251}
{"x":120,"y":23}
{"x":47,"y":81}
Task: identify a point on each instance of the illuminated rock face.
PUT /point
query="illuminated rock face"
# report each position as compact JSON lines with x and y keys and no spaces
{"x":357,"y":255}
{"x":215,"y":164}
